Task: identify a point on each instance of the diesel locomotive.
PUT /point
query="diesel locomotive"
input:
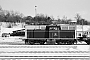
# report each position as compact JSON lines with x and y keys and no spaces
{"x":54,"y":34}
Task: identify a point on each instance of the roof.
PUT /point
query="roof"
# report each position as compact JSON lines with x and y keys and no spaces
{"x":9,"y":30}
{"x":83,"y":28}
{"x":73,"y":21}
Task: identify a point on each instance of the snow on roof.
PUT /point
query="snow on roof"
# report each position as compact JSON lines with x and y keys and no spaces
{"x":83,"y":28}
{"x":9,"y":30}
{"x":73,"y":21}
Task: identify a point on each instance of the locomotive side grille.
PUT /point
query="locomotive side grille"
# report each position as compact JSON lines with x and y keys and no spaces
{"x":29,"y":33}
{"x":35,"y":33}
{"x":39,"y":33}
{"x":67,"y":34}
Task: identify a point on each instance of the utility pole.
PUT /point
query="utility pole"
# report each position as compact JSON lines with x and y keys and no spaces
{"x":82,"y":26}
{"x":35,"y":10}
{"x":36,"y":14}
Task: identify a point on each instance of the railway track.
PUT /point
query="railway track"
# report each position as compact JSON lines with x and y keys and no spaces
{"x":47,"y":52}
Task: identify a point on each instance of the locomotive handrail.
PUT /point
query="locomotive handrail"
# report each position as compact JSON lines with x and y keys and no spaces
{"x":52,"y":38}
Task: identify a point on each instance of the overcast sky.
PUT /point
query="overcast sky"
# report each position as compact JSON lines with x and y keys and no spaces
{"x":55,"y":8}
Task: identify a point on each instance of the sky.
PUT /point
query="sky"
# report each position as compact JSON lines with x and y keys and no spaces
{"x":55,"y":8}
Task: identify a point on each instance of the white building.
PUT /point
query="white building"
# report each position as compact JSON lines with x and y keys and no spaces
{"x":83,"y":29}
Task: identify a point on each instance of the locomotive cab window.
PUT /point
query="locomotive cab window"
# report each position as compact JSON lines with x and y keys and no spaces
{"x":53,"y":28}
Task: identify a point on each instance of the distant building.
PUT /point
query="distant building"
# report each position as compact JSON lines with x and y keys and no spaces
{"x":83,"y":30}
{"x":13,"y":26}
{"x":10,"y":24}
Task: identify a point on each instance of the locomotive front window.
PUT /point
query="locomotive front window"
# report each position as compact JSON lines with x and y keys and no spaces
{"x":53,"y":28}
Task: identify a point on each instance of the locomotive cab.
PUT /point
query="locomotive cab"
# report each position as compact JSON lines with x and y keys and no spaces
{"x":52,"y":33}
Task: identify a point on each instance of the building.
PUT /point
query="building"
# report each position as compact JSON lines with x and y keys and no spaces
{"x":83,"y":30}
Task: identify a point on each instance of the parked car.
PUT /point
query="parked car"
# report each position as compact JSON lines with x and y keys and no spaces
{"x":18,"y":33}
{"x":5,"y":34}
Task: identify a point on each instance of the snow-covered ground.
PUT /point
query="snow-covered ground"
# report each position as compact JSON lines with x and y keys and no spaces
{"x":17,"y":39}
{"x":9,"y":30}
{"x":40,"y":50}
{"x":11,"y":41}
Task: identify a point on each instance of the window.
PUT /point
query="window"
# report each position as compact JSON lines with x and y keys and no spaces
{"x":64,"y":27}
{"x":79,"y":34}
{"x":53,"y":28}
{"x":43,"y":28}
{"x":71,"y":28}
{"x":85,"y":33}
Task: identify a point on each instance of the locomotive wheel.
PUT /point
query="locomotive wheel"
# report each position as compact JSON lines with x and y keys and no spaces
{"x":68,"y":43}
{"x":42,"y":43}
{"x":61,"y":43}
{"x":58,"y":43}
{"x":31,"y":42}
{"x":71,"y":42}
{"x":26,"y":41}
{"x":75,"y":41}
{"x":88,"y":42}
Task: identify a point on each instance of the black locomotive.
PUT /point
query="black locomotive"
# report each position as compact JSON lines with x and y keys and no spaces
{"x":51,"y":34}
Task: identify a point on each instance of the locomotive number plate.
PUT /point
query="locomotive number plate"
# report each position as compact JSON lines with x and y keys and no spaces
{"x":53,"y":34}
